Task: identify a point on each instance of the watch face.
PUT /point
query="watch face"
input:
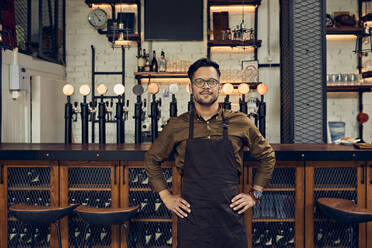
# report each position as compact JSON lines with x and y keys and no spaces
{"x":257,"y":194}
{"x":97,"y":18}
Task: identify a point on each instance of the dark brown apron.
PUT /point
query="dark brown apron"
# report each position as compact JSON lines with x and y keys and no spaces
{"x":210,"y":181}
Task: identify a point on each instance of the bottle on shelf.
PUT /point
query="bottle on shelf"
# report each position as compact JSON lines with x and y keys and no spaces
{"x":159,"y":237}
{"x":291,"y":237}
{"x":154,"y":63}
{"x":141,"y":61}
{"x":162,"y":62}
{"x":281,"y":239}
{"x":267,"y":239}
{"x":147,"y":62}
{"x":149,"y":238}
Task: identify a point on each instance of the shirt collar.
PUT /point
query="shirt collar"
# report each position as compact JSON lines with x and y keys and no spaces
{"x":216,"y":116}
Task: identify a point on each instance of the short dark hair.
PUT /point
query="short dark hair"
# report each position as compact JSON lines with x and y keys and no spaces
{"x":203,"y":62}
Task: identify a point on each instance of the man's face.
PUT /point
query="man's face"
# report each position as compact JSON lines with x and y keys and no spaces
{"x":206,"y":95}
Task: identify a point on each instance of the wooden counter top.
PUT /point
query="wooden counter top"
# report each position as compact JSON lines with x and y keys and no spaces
{"x":135,"y":152}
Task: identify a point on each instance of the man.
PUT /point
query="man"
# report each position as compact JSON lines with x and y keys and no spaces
{"x":208,"y":148}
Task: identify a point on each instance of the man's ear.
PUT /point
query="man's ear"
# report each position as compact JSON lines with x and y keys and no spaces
{"x":190,"y":88}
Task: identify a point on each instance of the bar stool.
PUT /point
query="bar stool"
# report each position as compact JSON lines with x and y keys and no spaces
{"x":344,"y":211}
{"x":106,"y":216}
{"x":41,"y":215}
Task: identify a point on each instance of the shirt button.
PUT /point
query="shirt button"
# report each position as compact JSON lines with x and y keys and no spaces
{"x":207,"y":122}
{"x":209,"y":137}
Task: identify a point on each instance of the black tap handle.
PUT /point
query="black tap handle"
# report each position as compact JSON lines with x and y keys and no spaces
{"x":127,"y":103}
{"x":144,"y":103}
{"x":75,"y":104}
{"x":159,"y":102}
{"x":111,"y":102}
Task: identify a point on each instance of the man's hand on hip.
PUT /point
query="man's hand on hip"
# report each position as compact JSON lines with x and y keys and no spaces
{"x":242,"y":202}
{"x":175,"y":203}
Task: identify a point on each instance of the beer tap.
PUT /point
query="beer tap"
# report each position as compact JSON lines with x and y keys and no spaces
{"x":190,"y":104}
{"x":68,"y":91}
{"x":102,"y":89}
{"x":173,"y":89}
{"x":75,"y":112}
{"x":138,"y":91}
{"x":109,"y":105}
{"x":153,"y":88}
{"x":126,"y":111}
{"x":243,"y":89}
{"x":84,"y":90}
{"x":92,"y":110}
{"x":119,"y":90}
{"x":227,"y":89}
{"x":262,"y":90}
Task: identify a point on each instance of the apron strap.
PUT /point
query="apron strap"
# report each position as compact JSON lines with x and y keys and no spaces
{"x":191,"y":127}
{"x":225,"y":125}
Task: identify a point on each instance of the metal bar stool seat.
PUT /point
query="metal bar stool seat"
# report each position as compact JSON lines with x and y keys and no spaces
{"x":106,"y":216}
{"x":41,"y":215}
{"x":344,"y":211}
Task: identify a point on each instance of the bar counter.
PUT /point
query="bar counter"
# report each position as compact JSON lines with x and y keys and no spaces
{"x":135,"y":152}
{"x":113,"y":176}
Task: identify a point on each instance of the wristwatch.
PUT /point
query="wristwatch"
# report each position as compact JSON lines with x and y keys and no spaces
{"x":255,"y":194}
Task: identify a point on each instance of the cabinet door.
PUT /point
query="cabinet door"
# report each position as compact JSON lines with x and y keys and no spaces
{"x":35,"y":183}
{"x":153,"y":223}
{"x":333,"y":179}
{"x":369,"y":201}
{"x":89,"y":183}
{"x":277,"y":220}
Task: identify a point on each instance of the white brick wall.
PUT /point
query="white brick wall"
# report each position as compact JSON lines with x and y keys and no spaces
{"x":80,"y":35}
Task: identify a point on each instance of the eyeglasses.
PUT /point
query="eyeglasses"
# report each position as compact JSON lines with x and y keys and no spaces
{"x":199,"y":82}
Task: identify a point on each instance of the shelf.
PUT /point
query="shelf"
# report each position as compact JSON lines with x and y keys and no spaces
{"x":335,"y":189}
{"x":143,"y":167}
{"x":345,"y":30}
{"x":151,"y":220}
{"x":89,"y":189}
{"x":280,"y":189}
{"x":90,"y":2}
{"x":234,"y":43}
{"x":149,"y":74}
{"x":140,"y":189}
{"x":254,"y":220}
{"x":29,"y":188}
{"x":349,"y":88}
{"x":234,"y":2}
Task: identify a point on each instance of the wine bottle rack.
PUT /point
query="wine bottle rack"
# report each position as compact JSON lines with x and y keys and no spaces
{"x":151,"y":234}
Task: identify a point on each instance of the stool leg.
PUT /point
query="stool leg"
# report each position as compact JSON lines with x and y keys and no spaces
{"x":126,"y":233}
{"x":83,"y":237}
{"x":58,"y":235}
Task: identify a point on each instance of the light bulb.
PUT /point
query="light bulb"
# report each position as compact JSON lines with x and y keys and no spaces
{"x":84,"y":89}
{"x":119,"y":89}
{"x":101,"y":89}
{"x":262,"y":89}
{"x":228,"y":88}
{"x":243,"y":88}
{"x":68,"y":89}
{"x":173,"y":88}
{"x":153,"y":88}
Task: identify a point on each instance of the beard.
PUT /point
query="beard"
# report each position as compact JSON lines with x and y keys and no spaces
{"x":203,"y":102}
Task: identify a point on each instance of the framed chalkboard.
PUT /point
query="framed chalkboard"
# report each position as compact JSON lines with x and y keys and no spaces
{"x":173,"y":20}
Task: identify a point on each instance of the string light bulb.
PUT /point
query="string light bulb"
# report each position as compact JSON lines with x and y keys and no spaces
{"x":68,"y":89}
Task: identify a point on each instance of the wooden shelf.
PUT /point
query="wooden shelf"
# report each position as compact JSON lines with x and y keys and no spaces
{"x":234,"y":43}
{"x":29,"y":188}
{"x":335,"y":189}
{"x":90,"y":2}
{"x":139,"y":189}
{"x":280,"y":189}
{"x":151,"y":220}
{"x":349,"y":88}
{"x":345,"y":30}
{"x":143,"y":167}
{"x":89,"y":189}
{"x":254,"y":220}
{"x":234,"y":2}
{"x":149,"y":74}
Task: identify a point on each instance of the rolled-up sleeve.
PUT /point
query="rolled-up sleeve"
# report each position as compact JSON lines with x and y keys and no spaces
{"x":261,"y":150}
{"x":159,"y":152}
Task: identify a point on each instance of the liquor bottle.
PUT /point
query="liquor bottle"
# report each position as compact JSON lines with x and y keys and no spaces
{"x":149,"y":238}
{"x":169,"y":237}
{"x":256,"y":237}
{"x":13,"y":237}
{"x":159,"y":236}
{"x":281,"y":239}
{"x":267,"y":239}
{"x":141,"y":61}
{"x":162,"y":62}
{"x":147,"y":63}
{"x":33,"y":177}
{"x":145,"y":207}
{"x":77,"y":236}
{"x":143,"y":178}
{"x":154,"y":63}
{"x":104,"y":237}
{"x":157,"y":207}
{"x":291,"y":238}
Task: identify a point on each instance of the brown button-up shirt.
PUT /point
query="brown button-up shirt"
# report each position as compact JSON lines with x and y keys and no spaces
{"x":241,"y":131}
